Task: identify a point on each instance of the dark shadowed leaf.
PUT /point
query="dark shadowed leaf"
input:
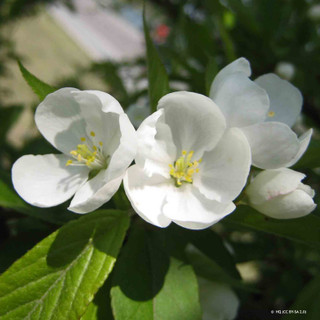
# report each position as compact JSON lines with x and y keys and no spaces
{"x":305,"y":230}
{"x":152,"y":282}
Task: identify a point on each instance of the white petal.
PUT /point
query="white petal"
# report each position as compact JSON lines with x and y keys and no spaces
{"x":68,"y":114}
{"x":273,"y":144}
{"x":239,"y":65}
{"x":94,"y":193}
{"x":304,"y":141}
{"x":293,"y":205}
{"x":195,"y":121}
{"x":46,"y":181}
{"x":102,"y":187}
{"x":126,"y":150}
{"x":147,"y":195}
{"x":155,"y":145}
{"x":241,"y":100}
{"x":187,"y":207}
{"x":285,"y":99}
{"x":269,"y":184}
{"x":224,"y":170}
{"x":59,"y":119}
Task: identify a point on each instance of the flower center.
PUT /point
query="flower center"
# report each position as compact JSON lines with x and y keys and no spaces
{"x":184,"y":169}
{"x":89,"y":154}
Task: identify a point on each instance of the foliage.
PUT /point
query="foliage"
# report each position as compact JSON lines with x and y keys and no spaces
{"x":155,"y":276}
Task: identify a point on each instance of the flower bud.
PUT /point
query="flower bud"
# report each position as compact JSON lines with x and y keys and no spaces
{"x":280,"y":194}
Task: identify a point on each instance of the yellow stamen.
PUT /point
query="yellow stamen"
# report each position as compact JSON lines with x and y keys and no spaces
{"x":184,"y":169}
{"x":68,"y":162}
{"x":100,"y":143}
{"x":271,"y":114}
{"x":92,"y":134}
{"x":83,"y":139}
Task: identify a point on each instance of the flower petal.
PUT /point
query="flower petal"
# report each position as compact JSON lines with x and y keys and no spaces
{"x":147,"y":195}
{"x":242,"y":102}
{"x":273,"y":144}
{"x":239,"y":65}
{"x":68,"y":114}
{"x":102,"y":187}
{"x":224,"y":170}
{"x":46,"y":181}
{"x":155,"y":147}
{"x":285,"y":99}
{"x":187,"y":207}
{"x":94,"y":193}
{"x":293,"y":205}
{"x":196,"y":123}
{"x":270,"y":184}
{"x":304,"y":141}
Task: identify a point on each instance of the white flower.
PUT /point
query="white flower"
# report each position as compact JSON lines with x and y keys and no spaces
{"x":280,"y":194}
{"x":188,"y":167}
{"x":264,"y":110}
{"x":97,"y":142}
{"x":218,"y":300}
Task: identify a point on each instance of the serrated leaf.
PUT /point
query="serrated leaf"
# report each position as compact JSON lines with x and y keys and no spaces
{"x":40,"y":88}
{"x":157,"y":75}
{"x":151,"y":283}
{"x":304,"y":230}
{"x":59,"y":277}
{"x":307,"y":300}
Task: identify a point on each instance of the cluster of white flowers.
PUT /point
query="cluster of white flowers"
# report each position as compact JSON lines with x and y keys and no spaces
{"x":192,"y":156}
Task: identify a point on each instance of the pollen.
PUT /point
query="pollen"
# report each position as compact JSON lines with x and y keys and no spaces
{"x":184,"y":168}
{"x":83,"y":139}
{"x":92,"y":134}
{"x":271,"y":114}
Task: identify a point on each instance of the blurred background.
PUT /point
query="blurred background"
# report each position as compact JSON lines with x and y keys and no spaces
{"x":99,"y":44}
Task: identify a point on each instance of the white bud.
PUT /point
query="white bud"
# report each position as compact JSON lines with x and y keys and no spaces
{"x":218,"y":301}
{"x":285,"y":70}
{"x":280,"y":194}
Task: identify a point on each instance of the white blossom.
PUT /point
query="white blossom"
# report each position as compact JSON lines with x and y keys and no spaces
{"x":280,"y":194}
{"x":188,"y":168}
{"x":264,"y":109}
{"x":97,"y":142}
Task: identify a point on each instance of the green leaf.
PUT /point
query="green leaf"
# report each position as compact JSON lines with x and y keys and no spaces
{"x":311,"y":158}
{"x":307,"y":300}
{"x":150,"y":282}
{"x":157,"y":75}
{"x":211,"y":244}
{"x":10,"y":200}
{"x":211,"y":270}
{"x":8,"y":117}
{"x":100,"y":307}
{"x":305,"y":230}
{"x":59,"y":276}
{"x":40,"y":88}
